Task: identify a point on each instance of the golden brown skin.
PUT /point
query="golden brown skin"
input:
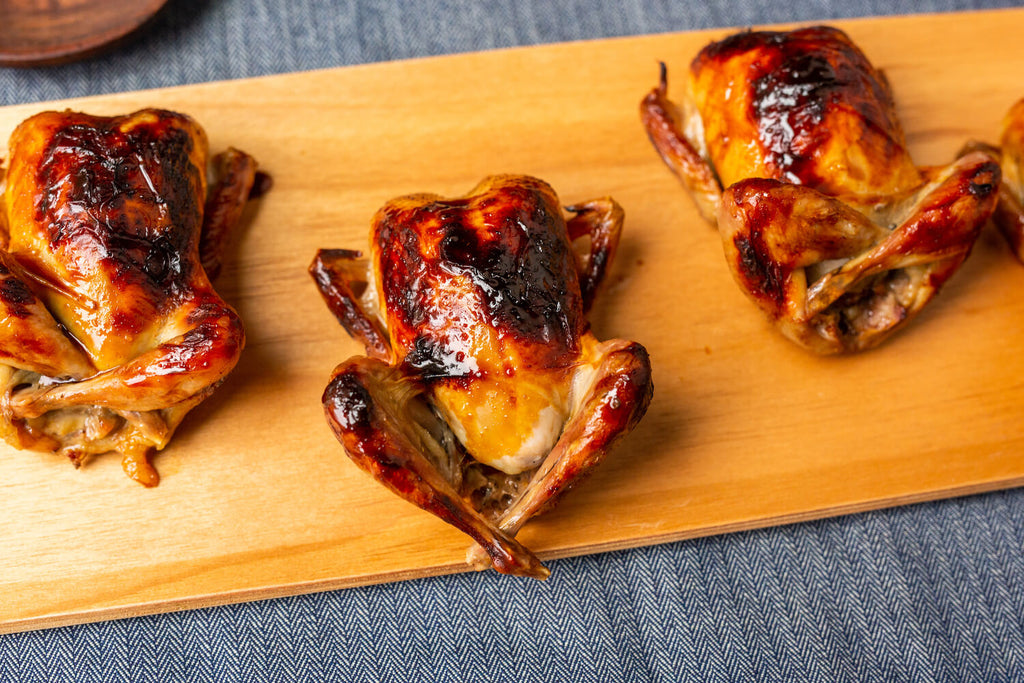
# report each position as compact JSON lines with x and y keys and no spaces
{"x":484,"y":397}
{"x":850,"y":239}
{"x":112,"y":331}
{"x":1009,"y":213}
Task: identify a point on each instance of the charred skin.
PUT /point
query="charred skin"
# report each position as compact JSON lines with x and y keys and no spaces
{"x":498,"y":398}
{"x":104,"y":217}
{"x":789,"y":143}
{"x":803,"y":106}
{"x":506,"y":247}
{"x":815,"y":110}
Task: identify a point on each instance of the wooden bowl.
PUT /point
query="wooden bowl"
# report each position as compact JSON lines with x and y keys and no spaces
{"x":43,"y":32}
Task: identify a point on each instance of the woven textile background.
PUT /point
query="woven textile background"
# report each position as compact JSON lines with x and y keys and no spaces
{"x":194,"y":41}
{"x":924,"y":593}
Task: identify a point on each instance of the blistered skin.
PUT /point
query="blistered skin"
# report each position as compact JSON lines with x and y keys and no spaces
{"x":484,"y":396}
{"x":103,"y":218}
{"x":807,"y":110}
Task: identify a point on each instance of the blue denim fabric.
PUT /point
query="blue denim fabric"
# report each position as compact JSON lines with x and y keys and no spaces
{"x":932,"y":592}
{"x":925,"y":593}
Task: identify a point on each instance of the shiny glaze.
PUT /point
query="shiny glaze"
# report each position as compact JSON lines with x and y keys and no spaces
{"x":479,"y":287}
{"x":485,"y":396}
{"x":108,"y":216}
{"x":789,"y":142}
{"x":104,"y":217}
{"x":481,"y":299}
{"x":803,"y":106}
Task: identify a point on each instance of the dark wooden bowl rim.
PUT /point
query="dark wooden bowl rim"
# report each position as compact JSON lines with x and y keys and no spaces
{"x":41,"y":32}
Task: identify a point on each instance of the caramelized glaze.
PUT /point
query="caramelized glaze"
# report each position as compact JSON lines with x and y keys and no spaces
{"x":485,"y":396}
{"x":119,"y":332}
{"x":790,"y":143}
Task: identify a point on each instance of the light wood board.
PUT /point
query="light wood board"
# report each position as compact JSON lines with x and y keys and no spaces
{"x":745,"y":430}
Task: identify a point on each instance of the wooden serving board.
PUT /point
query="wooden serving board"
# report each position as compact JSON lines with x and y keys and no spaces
{"x":745,"y":430}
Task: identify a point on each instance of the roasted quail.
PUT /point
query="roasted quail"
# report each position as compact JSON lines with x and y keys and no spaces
{"x":789,"y":141}
{"x":111,"y":329}
{"x":484,"y":396}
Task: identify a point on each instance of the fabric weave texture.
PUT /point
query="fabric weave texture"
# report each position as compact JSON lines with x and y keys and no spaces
{"x":931,"y":592}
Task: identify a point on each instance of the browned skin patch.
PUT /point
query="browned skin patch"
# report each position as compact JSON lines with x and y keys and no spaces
{"x":510,"y":246}
{"x":98,"y":189}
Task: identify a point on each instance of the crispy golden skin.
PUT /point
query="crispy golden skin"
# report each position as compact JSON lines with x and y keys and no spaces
{"x":112,"y":331}
{"x":850,"y":239}
{"x":484,"y":396}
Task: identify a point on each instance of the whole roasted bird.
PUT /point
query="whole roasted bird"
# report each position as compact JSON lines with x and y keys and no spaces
{"x":789,"y":141}
{"x":483,"y":396}
{"x":110,"y":329}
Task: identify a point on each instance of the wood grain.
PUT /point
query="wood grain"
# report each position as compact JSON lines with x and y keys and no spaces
{"x":44,"y":32}
{"x":745,"y":429}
